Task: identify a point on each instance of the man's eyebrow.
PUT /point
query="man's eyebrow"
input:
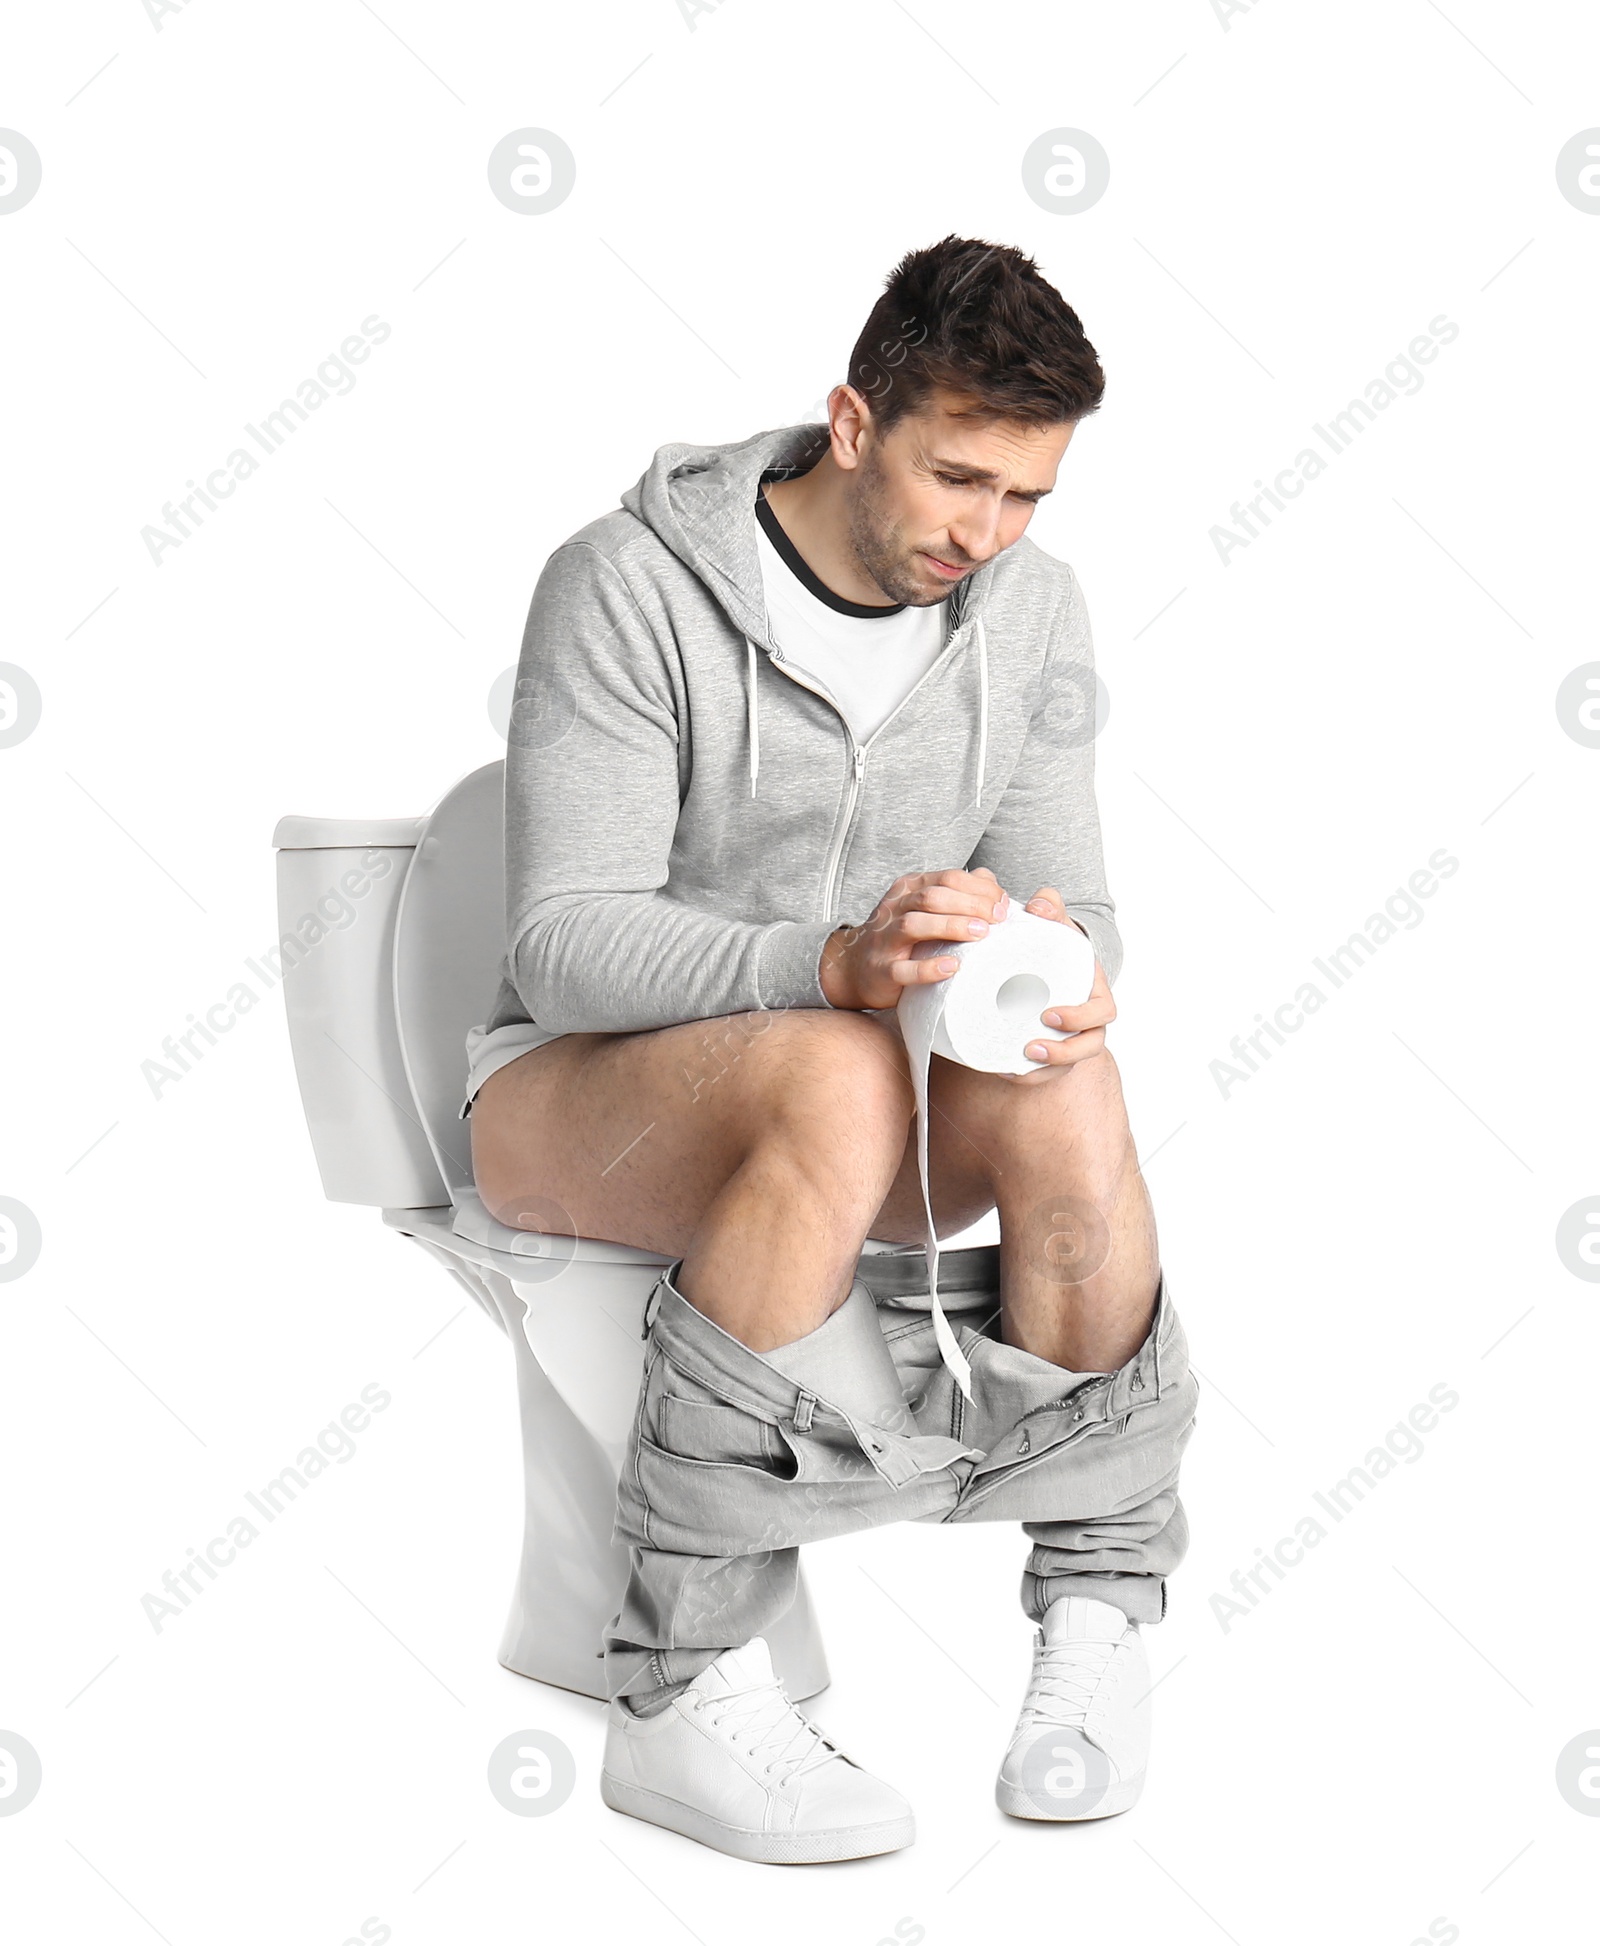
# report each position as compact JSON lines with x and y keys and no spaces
{"x":985,"y":474}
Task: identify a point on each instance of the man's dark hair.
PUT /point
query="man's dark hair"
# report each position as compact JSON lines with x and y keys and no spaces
{"x":978,"y":320}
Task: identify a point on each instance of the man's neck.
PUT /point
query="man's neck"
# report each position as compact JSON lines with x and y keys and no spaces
{"x":814,"y":512}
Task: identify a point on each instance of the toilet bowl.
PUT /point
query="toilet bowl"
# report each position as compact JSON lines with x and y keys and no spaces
{"x":392,"y":936}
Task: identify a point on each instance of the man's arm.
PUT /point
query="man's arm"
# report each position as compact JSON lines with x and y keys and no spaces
{"x":1045,"y":831}
{"x":591,"y":807}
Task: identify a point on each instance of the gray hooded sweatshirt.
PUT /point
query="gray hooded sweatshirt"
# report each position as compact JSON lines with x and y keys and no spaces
{"x":688,"y":818}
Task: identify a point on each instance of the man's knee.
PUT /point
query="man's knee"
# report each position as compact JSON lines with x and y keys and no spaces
{"x":841,"y":1076}
{"x":1073,"y":1124}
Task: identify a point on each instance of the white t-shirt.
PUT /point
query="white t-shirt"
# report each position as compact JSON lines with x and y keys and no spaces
{"x":867,"y":659}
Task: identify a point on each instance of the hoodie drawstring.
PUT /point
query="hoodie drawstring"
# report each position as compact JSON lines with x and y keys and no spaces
{"x":983,"y":711}
{"x":754,"y":716}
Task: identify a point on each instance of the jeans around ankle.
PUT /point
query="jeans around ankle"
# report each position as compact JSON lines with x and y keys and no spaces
{"x":732,"y":1467}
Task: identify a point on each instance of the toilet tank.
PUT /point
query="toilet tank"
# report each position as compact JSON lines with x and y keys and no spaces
{"x":339,"y":885}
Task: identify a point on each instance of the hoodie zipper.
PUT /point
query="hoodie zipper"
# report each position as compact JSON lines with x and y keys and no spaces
{"x":858,"y":763}
{"x":858,"y":756}
{"x":830,"y":880}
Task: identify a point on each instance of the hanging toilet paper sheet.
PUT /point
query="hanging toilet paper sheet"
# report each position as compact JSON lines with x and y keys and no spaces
{"x":983,"y":1016}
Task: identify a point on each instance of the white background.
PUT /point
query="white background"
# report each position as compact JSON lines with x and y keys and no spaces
{"x":1295,"y":194}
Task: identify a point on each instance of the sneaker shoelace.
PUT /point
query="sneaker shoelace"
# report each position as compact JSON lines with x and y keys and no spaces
{"x":766,"y":1720}
{"x":1066,"y":1681}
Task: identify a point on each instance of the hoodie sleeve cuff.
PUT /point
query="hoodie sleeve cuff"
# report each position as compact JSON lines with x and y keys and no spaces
{"x":789,"y":969}
{"x":1105,"y":939}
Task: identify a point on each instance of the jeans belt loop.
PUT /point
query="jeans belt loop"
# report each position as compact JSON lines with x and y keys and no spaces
{"x":652,"y":1304}
{"x":804,"y":1408}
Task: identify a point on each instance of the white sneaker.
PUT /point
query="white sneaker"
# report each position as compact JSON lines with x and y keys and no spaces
{"x":733,"y":1763}
{"x":1082,"y":1740}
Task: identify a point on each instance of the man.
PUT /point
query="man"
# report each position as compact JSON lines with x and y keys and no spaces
{"x":800,"y":707}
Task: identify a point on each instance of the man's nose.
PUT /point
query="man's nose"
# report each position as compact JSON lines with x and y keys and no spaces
{"x":977,"y":534}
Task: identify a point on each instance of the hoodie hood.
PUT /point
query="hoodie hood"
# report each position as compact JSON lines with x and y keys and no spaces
{"x":700,"y":502}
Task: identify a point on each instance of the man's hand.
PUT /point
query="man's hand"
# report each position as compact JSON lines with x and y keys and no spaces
{"x":871,"y":965}
{"x":1087,"y":1023}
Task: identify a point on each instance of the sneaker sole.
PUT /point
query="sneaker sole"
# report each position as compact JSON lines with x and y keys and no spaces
{"x":1016,"y":1803}
{"x":760,"y":1847}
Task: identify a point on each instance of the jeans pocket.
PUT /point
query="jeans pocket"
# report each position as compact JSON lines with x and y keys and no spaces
{"x":700,"y":1429}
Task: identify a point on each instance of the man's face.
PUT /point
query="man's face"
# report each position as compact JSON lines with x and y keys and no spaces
{"x":938,"y":494}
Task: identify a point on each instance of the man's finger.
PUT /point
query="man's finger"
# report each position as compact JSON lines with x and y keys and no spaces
{"x":1066,"y":1054}
{"x":983,"y":882}
{"x":921,"y":972}
{"x":964,"y":924}
{"x":1099,"y":1010}
{"x":970,"y":905}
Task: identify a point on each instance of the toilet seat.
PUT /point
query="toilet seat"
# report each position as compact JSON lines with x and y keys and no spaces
{"x":472,"y":1221}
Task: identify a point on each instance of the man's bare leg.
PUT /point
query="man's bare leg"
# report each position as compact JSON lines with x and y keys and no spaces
{"x":1079,"y":1263}
{"x":757,"y":1147}
{"x":763,"y":1149}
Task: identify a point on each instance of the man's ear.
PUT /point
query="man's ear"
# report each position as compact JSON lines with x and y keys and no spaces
{"x":849,"y":425}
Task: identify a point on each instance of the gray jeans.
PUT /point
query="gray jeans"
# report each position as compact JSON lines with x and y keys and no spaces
{"x":733,"y":1466}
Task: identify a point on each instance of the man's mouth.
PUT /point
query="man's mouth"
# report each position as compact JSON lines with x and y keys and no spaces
{"x":943,"y":569}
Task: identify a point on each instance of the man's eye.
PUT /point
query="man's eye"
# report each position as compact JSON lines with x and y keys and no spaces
{"x":949,"y":479}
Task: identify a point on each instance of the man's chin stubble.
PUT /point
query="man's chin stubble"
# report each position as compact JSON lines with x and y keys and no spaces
{"x":900,"y":580}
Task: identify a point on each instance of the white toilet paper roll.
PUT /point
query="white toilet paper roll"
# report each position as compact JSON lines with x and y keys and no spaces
{"x":983,"y":1016}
